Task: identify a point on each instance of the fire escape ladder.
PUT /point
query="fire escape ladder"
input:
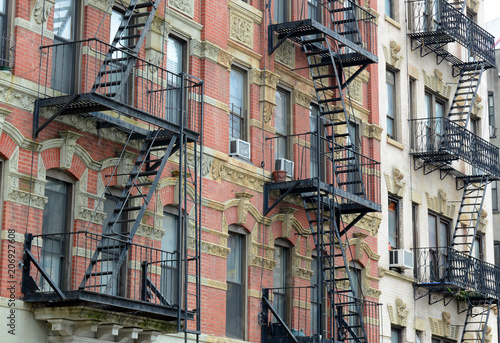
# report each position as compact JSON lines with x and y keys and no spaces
{"x":476,"y":321}
{"x":130,"y":208}
{"x":465,"y":94}
{"x":120,"y":59}
{"x":327,"y":77}
{"x":337,"y":279}
{"x":469,"y":213}
{"x":344,"y":20}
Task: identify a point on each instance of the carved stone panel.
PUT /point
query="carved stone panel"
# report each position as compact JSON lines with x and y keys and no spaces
{"x":241,"y":30}
{"x":184,"y":6}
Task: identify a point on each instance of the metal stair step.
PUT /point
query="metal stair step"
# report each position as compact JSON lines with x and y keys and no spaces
{"x":314,"y":40}
{"x":317,"y":52}
{"x":320,"y":64}
{"x":144,"y":5}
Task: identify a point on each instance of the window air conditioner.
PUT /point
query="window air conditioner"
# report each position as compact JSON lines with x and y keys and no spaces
{"x":401,"y":258}
{"x":284,"y":164}
{"x":239,"y":148}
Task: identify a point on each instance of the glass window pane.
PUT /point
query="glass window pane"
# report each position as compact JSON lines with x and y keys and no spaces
{"x":432,"y":231}
{"x":394,"y":336}
{"x":234,"y":258}
{"x":63,"y":19}
{"x":281,"y":112}
{"x":443,"y":234}
{"x":169,"y":273}
{"x":174,"y":55}
{"x":393,"y":224}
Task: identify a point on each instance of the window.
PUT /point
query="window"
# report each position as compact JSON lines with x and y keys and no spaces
{"x":119,"y":86}
{"x":112,"y":243}
{"x":237,"y":100}
{"x":478,"y":247}
{"x":439,"y":239}
{"x":494,"y":196}
{"x":497,"y":252}
{"x":412,"y":109}
{"x":435,"y":113}
{"x":355,"y":272}
{"x":475,"y":124}
{"x":235,"y":302}
{"x":56,"y":221}
{"x":389,"y":8}
{"x":391,"y":104}
{"x":280,"y":11}
{"x":169,"y":282}
{"x":63,"y":60}
{"x":175,"y":64}
{"x":282,"y":124}
{"x":314,"y":295}
{"x":395,"y":335}
{"x":316,"y":169}
{"x":491,"y":114}
{"x":4,"y":34}
{"x":314,"y":10}
{"x":414,"y":224}
{"x":281,"y":281}
{"x":352,"y":166}
{"x":393,"y":224}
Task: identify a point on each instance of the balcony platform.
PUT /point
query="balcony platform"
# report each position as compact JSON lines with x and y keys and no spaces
{"x":296,"y":30}
{"x":94,"y":105}
{"x":106,"y":302}
{"x":352,"y":204}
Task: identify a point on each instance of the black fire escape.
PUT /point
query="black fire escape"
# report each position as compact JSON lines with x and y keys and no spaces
{"x":159,"y":114}
{"x":452,"y":272}
{"x":345,"y":186}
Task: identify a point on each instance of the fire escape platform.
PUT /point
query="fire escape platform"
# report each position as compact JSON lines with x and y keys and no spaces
{"x":107,"y":302}
{"x":296,"y":30}
{"x":93,"y":105}
{"x":352,"y":203}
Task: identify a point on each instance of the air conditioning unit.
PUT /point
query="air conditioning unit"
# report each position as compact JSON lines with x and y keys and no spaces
{"x":239,"y":148}
{"x":400,"y":258}
{"x":284,"y":164}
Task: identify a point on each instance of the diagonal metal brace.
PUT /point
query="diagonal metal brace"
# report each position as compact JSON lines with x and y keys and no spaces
{"x":44,"y":274}
{"x":55,"y":115}
{"x":270,"y":33}
{"x":279,"y":319}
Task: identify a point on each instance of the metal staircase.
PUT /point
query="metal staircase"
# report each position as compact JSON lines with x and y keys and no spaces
{"x":469,"y":212}
{"x":117,"y":66}
{"x":465,"y":93}
{"x":475,"y":327}
{"x":342,"y":41}
{"x":152,"y":158}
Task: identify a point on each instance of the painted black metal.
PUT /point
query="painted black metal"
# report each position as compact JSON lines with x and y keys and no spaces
{"x":267,"y":306}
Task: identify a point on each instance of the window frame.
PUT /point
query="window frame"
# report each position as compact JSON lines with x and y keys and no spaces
{"x":491,"y":114}
{"x":286,"y":12}
{"x":243,"y":115}
{"x":398,"y":331}
{"x":65,"y":255}
{"x":434,"y":134}
{"x":287,"y":121}
{"x":184,"y":68}
{"x":238,"y":231}
{"x":394,"y":116}
{"x":285,"y":247}
{"x":315,"y":5}
{"x":390,"y":12}
{"x":173,"y":212}
{"x":321,"y":172}
{"x":6,"y":42}
{"x":494,"y":196}
{"x":396,"y":231}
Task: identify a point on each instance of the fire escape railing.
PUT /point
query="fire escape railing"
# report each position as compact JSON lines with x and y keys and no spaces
{"x":436,"y":22}
{"x":56,"y":263}
{"x":149,"y":88}
{"x":456,"y":273}
{"x":337,"y":158}
{"x":440,"y":139}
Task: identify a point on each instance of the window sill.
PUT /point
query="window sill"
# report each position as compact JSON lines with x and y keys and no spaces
{"x":395,"y":143}
{"x":393,"y":22}
{"x":387,"y":272}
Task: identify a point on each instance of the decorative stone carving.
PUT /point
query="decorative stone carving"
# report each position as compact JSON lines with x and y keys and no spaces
{"x":155,"y":58}
{"x":217,"y":170}
{"x":487,"y":334}
{"x":3,"y":113}
{"x":477,"y":108}
{"x":241,"y":30}
{"x":356,"y":90}
{"x":68,"y":148}
{"x":102,"y":5}
{"x":440,"y":204}
{"x":287,"y":222}
{"x":285,"y":54}
{"x":483,"y":222}
{"x":244,"y":202}
{"x":473,"y":6}
{"x":370,"y":222}
{"x":396,"y":185}
{"x":372,"y":131}
{"x":125,"y":167}
{"x":183,"y":6}
{"x":225,"y":59}
{"x":443,"y":328}
{"x":400,"y":316}
{"x":41,"y":10}
{"x":206,"y":50}
{"x":393,"y":55}
{"x":302,"y":99}
{"x":436,"y":84}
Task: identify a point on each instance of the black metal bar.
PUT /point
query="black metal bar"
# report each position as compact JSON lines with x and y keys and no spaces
{"x":45,"y":275}
{"x":144,"y":278}
{"x":54,"y":116}
{"x":156,"y":291}
{"x":282,"y":39}
{"x":282,"y":196}
{"x":279,"y":319}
